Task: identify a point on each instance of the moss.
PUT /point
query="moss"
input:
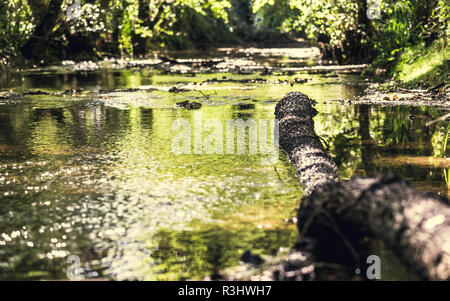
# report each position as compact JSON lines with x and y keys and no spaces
{"x":423,"y":67}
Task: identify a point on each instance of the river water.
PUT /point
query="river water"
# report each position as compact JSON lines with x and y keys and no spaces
{"x":90,"y":186}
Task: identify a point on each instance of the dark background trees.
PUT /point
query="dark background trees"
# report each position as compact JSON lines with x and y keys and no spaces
{"x":40,"y":30}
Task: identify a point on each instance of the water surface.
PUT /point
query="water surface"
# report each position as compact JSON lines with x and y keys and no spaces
{"x":88,"y":170}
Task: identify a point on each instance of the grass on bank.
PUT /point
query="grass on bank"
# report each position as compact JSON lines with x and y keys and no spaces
{"x":422,"y":66}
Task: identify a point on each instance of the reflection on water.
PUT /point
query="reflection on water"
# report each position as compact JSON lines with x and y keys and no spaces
{"x":101,"y":183}
{"x":95,"y":176}
{"x":373,"y":140}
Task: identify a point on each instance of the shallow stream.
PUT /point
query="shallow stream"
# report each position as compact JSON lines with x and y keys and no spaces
{"x":88,"y":172}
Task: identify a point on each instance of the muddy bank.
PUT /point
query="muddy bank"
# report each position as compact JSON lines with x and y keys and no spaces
{"x":435,"y":96}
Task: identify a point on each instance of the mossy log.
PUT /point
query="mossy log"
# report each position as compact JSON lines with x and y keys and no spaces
{"x":414,"y":224}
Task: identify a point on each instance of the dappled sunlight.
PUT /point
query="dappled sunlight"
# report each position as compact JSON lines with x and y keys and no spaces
{"x":104,"y":184}
{"x":138,"y":138}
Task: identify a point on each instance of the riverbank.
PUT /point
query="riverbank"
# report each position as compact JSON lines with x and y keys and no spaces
{"x":246,"y":66}
{"x":395,"y":96}
{"x":424,"y":67}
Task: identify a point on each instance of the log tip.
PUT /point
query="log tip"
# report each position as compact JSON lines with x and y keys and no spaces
{"x":295,"y":103}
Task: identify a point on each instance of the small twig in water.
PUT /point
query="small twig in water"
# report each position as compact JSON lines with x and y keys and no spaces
{"x":278,"y":175}
{"x":438,"y":119}
{"x":204,"y":95}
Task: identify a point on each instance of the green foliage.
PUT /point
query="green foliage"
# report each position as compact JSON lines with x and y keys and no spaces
{"x":341,"y":28}
{"x":271,"y":15}
{"x":423,"y":66}
{"x":394,"y":31}
{"x":329,"y":23}
{"x":346,"y":33}
{"x":440,"y":141}
{"x":16,"y":26}
{"x":91,"y":19}
{"x":114,"y":26}
{"x":326,"y":21}
{"x":195,"y":29}
{"x":439,"y":21}
{"x":193,"y":22}
{"x":157,"y":20}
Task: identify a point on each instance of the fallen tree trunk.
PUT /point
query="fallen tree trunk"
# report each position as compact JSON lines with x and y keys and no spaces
{"x":414,"y":224}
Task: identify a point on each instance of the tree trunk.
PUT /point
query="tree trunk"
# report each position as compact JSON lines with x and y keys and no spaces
{"x":37,"y":45}
{"x":414,"y":224}
{"x":367,"y":141}
{"x":297,"y":137}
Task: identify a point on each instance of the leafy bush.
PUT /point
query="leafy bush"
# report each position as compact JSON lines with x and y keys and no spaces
{"x":394,"y":31}
{"x":116,"y":26}
{"x":16,"y":25}
{"x":348,"y":31}
{"x":344,"y":29}
{"x":130,"y":22}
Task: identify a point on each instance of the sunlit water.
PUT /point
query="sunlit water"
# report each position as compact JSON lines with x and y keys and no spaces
{"x":93,"y":174}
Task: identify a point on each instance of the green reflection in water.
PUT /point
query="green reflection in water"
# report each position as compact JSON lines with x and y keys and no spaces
{"x":101,"y":183}
{"x":190,"y":254}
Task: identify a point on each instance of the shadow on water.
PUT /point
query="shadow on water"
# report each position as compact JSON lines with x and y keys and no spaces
{"x":193,"y":255}
{"x":94,"y":176}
